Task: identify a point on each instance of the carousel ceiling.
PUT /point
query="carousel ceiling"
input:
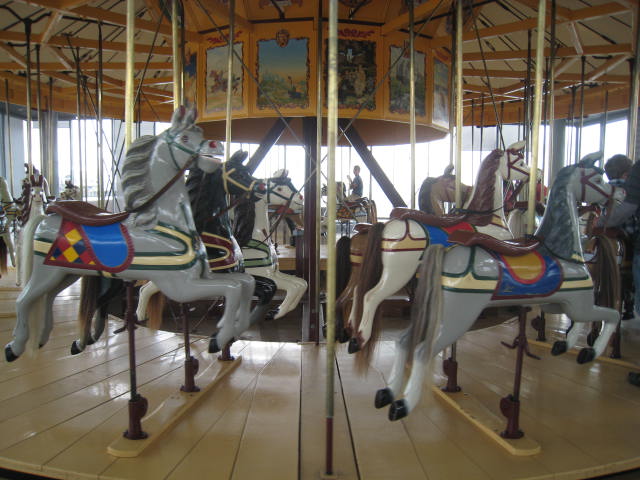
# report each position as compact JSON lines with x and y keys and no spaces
{"x":594,"y":38}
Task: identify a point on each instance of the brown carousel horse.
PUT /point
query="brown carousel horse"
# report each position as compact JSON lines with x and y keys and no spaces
{"x":361,"y":209}
{"x":434,"y":193}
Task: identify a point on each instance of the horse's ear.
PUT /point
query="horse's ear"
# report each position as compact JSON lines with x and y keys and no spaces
{"x":589,"y":161}
{"x":282,"y":173}
{"x":239,"y":157}
{"x":190,"y":117}
{"x":177,"y":118}
{"x":517,"y":146}
{"x":448,"y":170}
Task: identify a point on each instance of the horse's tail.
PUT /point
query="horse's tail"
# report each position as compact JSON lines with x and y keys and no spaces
{"x":89,"y":293}
{"x":426,"y":313}
{"x":155,"y":307}
{"x":370,"y":273}
{"x":607,"y":287}
{"x":343,"y":277}
{"x":3,"y":256}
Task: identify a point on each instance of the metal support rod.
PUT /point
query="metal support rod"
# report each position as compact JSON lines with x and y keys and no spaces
{"x":99,"y":88}
{"x":39,"y":107}
{"x":318,"y":176}
{"x":581,"y":124}
{"x":603,"y":124}
{"x":537,"y":114}
{"x":635,"y":85}
{"x":9,"y":146}
{"x":412,"y":103}
{"x":27,"y":31}
{"x":230,"y":38}
{"x":551,"y":115}
{"x":177,"y":67}
{"x":129,"y":98}
{"x":52,"y":129}
{"x":458,"y":164}
{"x":332,"y":136}
{"x":79,"y":116}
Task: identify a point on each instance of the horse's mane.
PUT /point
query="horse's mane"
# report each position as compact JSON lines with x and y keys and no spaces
{"x":5,"y":196}
{"x":201,"y":188}
{"x":424,"y":195}
{"x":557,"y":228}
{"x":480,"y":209}
{"x":136,"y":181}
{"x":244,"y":220}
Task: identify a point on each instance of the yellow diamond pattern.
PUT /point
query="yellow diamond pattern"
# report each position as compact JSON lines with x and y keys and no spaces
{"x":73,"y":236}
{"x":70,"y":254}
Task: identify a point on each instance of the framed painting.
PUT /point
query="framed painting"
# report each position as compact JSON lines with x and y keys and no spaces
{"x":440,"y":93}
{"x":399,"y":81}
{"x":356,"y":74}
{"x":216,"y":82}
{"x":283,"y":72}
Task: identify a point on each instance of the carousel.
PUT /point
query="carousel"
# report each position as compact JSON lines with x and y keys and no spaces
{"x":159,"y":321}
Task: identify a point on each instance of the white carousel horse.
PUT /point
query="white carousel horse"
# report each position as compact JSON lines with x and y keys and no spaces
{"x":458,"y":283}
{"x":252,"y":233}
{"x":396,"y":249}
{"x":7,"y":225}
{"x":153,"y":239}
{"x":70,"y":192}
{"x":32,"y":214}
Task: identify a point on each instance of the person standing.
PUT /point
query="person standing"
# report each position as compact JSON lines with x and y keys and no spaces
{"x":356,"y":186}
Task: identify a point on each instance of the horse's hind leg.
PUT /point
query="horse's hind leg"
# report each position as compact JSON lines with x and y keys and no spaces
{"x":387,"y":395}
{"x":145,"y":293}
{"x":294,"y":287}
{"x":48,"y":315}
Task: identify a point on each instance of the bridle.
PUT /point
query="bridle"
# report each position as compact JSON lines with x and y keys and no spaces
{"x":511,"y":164}
{"x":585,"y":181}
{"x":171,"y":143}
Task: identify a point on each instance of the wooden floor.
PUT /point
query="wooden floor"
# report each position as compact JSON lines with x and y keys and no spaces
{"x":265,"y":419}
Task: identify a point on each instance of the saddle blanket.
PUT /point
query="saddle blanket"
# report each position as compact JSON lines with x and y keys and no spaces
{"x":526,"y":276}
{"x":105,"y":248}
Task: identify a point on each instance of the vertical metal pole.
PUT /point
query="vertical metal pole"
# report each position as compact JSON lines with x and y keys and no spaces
{"x":39,"y":107}
{"x":332,"y":131}
{"x":10,"y":153}
{"x":551,"y":116}
{"x":537,"y":115}
{"x":412,"y":103}
{"x":579,"y":136}
{"x":79,"y":114}
{"x":458,"y":165}
{"x":27,"y":28}
{"x":177,"y":63}
{"x":318,"y":176}
{"x":232,"y":10}
{"x":129,"y":98}
{"x":52,"y":143}
{"x":603,"y":123}
{"x":635,"y":84}
{"x":99,"y":87}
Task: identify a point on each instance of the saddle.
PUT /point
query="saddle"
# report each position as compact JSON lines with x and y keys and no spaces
{"x":403,"y":213}
{"x":84,"y":213}
{"x":512,"y":248}
{"x":362,"y":227}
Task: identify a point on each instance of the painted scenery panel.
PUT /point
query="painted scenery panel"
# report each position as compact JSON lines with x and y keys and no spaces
{"x":283,"y":72}
{"x":399,"y":81}
{"x":440,"y":93}
{"x":356,"y":74}
{"x":216,"y":80}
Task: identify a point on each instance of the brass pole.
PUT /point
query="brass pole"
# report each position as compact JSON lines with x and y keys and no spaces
{"x":232,"y":10}
{"x":39,"y":108}
{"x":412,"y":103}
{"x":79,"y":114}
{"x":537,"y":116}
{"x":318,"y":177}
{"x":635,"y":84}
{"x":129,"y":99}
{"x":458,"y":165}
{"x":175,"y":44}
{"x":27,"y":27}
{"x":551,"y":117}
{"x":99,"y":87}
{"x":332,"y":131}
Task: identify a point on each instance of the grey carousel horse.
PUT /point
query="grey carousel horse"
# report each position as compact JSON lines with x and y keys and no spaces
{"x":154,"y":239}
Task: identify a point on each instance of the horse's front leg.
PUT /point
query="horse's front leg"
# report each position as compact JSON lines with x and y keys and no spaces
{"x":242,"y":306}
{"x":294,"y":288}
{"x":387,"y":395}
{"x":48,"y":314}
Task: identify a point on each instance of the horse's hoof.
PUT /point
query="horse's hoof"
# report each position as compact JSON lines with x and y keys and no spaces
{"x":343,"y":337}
{"x":634,"y":378}
{"x":560,"y":346}
{"x":398,"y":410}
{"x":383,"y":397}
{"x":354,"y":346}
{"x":591,"y":338}
{"x":9,"y":355}
{"x":586,"y":355}
{"x":213,"y":345}
{"x":74,"y":348}
{"x":271,"y":314}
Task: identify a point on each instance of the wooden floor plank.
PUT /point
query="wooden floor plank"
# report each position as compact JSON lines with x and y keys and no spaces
{"x":312,"y":420}
{"x":275,"y":411}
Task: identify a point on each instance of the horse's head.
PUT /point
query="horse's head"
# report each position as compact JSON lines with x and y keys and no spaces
{"x":186,"y":142}
{"x":238,"y":181}
{"x":280,"y":191}
{"x":588,"y":183}
{"x":512,"y":164}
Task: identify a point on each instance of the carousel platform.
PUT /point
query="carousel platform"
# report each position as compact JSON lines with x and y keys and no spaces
{"x":264,"y":418}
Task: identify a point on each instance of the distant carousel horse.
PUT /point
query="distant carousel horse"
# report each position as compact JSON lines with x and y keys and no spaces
{"x":8,"y":215}
{"x":394,"y":250}
{"x":70,"y":192}
{"x":153,"y":239}
{"x":456,"y":284}
{"x":434,"y":193}
{"x":360,"y":210}
{"x":252,"y":232}
{"x":31,"y":214}
{"x":208,"y":197}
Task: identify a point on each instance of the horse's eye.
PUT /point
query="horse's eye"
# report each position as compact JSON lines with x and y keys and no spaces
{"x":184,"y":138}
{"x":279,"y":189}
